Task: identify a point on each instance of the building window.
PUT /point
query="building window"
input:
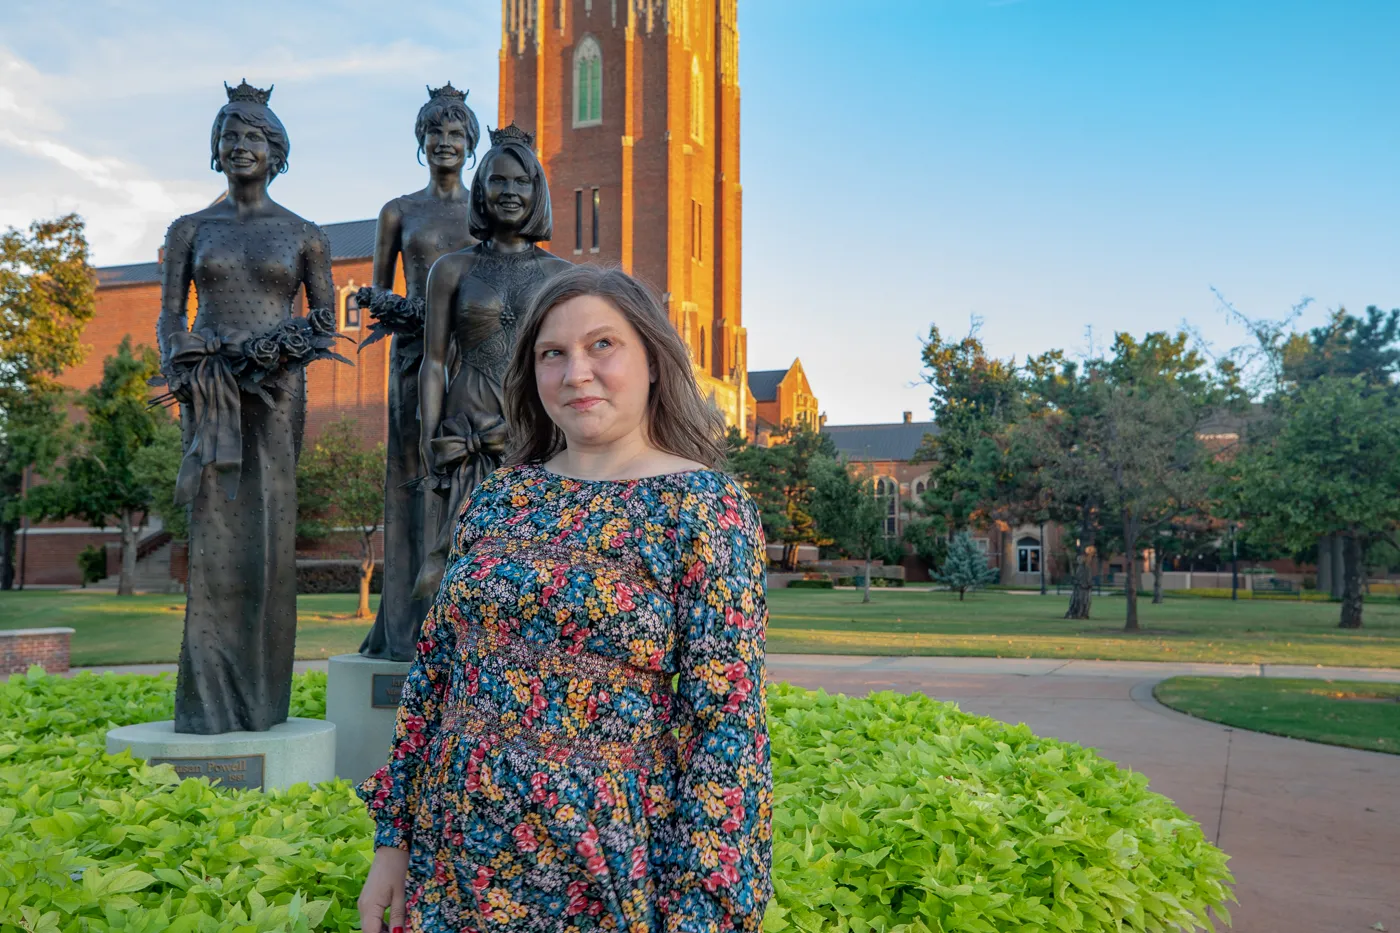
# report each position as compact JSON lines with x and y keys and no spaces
{"x":578,"y":220}
{"x":594,"y":247}
{"x":697,"y":100}
{"x":982,"y":545}
{"x":697,"y":231}
{"x":1028,"y":555}
{"x":588,"y":83}
{"x":352,"y":310}
{"x":887,"y":491}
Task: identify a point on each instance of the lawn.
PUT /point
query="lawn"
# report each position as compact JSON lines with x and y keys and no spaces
{"x":147,"y":629}
{"x":1356,"y":714}
{"x":136,"y":629}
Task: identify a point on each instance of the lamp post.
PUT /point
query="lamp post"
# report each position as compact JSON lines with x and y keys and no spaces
{"x":1234,"y":564}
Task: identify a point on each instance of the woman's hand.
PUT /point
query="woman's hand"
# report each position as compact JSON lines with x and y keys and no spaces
{"x":384,"y":888}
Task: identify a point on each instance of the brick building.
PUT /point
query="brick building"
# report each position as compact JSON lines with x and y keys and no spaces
{"x":635,"y":109}
{"x":782,"y":396}
{"x":887,"y":451}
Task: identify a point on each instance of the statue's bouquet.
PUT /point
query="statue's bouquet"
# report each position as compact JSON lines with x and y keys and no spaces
{"x":254,"y":364}
{"x":391,"y":315}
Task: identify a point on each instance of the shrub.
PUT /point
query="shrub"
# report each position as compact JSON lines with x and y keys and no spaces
{"x":336,"y":576}
{"x":893,"y":812}
{"x":810,"y":584}
{"x":92,"y":563}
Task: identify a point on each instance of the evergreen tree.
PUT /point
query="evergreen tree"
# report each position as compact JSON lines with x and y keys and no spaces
{"x":965,"y":568}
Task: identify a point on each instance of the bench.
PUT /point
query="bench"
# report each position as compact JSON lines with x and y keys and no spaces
{"x":1275,"y":585}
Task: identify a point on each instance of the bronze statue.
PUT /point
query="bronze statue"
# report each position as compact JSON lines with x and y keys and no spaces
{"x":420,"y":227}
{"x":476,"y":297}
{"x":239,"y":375}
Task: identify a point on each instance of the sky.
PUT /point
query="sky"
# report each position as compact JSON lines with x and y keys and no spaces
{"x":1058,"y":170}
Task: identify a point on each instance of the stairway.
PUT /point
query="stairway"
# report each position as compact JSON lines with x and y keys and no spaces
{"x":152,"y":574}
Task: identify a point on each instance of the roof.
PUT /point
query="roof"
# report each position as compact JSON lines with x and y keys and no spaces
{"x":897,"y":441}
{"x":763,"y":384}
{"x":353,"y":239}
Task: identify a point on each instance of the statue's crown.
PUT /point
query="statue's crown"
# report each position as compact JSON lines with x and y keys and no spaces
{"x":246,"y":91}
{"x":448,"y":91}
{"x":512,"y":134}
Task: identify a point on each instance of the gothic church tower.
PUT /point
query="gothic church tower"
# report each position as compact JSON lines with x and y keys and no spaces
{"x":635,"y":109}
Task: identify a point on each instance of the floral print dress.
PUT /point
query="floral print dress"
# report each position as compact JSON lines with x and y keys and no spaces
{"x":545,"y":774}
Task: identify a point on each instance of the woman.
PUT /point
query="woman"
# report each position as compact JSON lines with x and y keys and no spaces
{"x":544,"y":775}
{"x":239,"y":375}
{"x":419,"y":227}
{"x":476,"y":298}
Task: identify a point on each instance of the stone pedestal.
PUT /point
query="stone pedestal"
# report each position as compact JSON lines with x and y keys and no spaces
{"x":293,"y":752}
{"x":362,"y":699}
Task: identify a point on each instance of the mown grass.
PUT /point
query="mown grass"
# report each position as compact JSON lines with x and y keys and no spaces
{"x":1357,"y":714}
{"x":137,"y":629}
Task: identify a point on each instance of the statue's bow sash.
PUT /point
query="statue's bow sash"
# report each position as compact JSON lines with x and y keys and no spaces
{"x":214,"y":406}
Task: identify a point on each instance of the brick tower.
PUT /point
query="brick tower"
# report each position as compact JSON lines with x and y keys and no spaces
{"x":635,"y":109}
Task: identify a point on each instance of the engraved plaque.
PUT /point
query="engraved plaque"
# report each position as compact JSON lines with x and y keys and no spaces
{"x":240,"y":771}
{"x":385,"y":690}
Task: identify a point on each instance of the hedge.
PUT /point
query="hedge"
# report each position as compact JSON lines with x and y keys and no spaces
{"x":894,"y":813}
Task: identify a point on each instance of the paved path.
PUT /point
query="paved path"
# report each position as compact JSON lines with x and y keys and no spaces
{"x":1313,"y":830}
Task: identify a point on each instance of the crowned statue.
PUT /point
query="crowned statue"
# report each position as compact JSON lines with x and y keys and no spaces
{"x":476,"y":298}
{"x":416,"y":228}
{"x":238,"y":374}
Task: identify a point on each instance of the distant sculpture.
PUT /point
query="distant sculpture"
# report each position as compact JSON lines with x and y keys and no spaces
{"x":476,"y":297}
{"x":239,"y":375}
{"x":420,"y":227}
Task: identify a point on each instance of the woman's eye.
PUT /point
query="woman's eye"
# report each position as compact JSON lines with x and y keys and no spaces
{"x":603,"y":343}
{"x":548,"y":354}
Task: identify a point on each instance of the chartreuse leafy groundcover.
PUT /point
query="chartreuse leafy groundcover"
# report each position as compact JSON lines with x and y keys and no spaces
{"x":895,"y":814}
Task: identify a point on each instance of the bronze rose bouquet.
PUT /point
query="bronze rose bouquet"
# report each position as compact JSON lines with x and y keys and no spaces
{"x":392,"y":314}
{"x":255,"y":364}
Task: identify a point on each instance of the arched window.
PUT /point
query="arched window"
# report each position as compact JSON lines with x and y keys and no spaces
{"x":887,"y":491}
{"x":697,"y":100}
{"x":1028,"y":555}
{"x":588,"y":83}
{"x":351,"y":315}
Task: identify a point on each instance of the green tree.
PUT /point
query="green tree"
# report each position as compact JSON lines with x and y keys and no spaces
{"x":47,"y":294}
{"x":1332,"y":468}
{"x":340,"y":484}
{"x":778,"y":478}
{"x":156,"y":466}
{"x":847,"y":511}
{"x":97,"y":479}
{"x":965,"y":567}
{"x":974,"y":398}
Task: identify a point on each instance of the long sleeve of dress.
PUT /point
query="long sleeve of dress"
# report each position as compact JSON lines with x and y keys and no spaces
{"x":717,"y":876}
{"x":392,"y":792}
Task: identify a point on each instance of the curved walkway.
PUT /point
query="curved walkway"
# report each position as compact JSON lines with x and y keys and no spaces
{"x":1313,"y":831}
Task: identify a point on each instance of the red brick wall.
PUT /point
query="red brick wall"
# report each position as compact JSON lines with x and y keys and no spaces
{"x":48,"y":559}
{"x":642,"y":158}
{"x":46,"y":647}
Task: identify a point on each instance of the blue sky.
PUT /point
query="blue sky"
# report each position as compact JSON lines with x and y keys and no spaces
{"x":1054,"y":167}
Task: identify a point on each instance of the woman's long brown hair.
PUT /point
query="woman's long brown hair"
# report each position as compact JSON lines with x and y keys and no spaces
{"x":680,"y":420}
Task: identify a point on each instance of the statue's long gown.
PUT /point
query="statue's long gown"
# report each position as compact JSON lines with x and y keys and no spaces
{"x":470,"y":441}
{"x":241,"y":613}
{"x":409,"y":513}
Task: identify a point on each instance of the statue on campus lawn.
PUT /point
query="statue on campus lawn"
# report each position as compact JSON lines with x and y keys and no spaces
{"x":476,"y":298}
{"x":239,"y":375}
{"x":419,"y":227}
